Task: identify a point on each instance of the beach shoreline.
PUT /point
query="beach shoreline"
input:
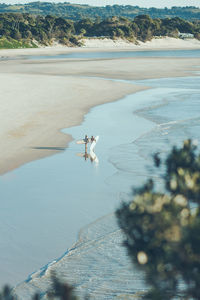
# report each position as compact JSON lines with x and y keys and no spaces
{"x":40,"y":97}
{"x":45,"y":96}
{"x":106,"y":45}
{"x":31,"y":126}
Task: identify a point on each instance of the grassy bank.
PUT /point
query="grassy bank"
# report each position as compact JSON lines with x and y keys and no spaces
{"x":9,"y":43}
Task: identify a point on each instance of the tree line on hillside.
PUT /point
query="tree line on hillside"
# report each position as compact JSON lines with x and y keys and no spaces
{"x":142,"y":27}
{"x":78,"y":12}
{"x":161,"y":232}
{"x":44,"y":29}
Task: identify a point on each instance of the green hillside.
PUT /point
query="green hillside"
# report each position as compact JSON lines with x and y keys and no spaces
{"x":77,"y":12}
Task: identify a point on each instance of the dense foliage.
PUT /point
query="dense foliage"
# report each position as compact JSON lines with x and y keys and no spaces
{"x":141,"y":28}
{"x":162,"y":230}
{"x":32,"y":29}
{"x":41,"y":29}
{"x":77,"y":12}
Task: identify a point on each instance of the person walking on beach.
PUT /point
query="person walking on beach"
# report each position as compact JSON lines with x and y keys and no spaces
{"x":86,"y":140}
{"x":92,"y":139}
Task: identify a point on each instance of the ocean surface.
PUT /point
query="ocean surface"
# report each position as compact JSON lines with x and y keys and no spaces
{"x":58,"y":212}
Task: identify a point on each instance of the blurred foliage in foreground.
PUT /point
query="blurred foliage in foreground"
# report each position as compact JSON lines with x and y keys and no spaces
{"x":59,"y":290}
{"x":162,"y":230}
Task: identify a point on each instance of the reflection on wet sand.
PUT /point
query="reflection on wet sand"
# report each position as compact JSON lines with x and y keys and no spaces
{"x":92,"y":156}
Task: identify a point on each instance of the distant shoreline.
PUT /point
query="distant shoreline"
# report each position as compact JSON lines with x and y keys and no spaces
{"x":158,"y":43}
{"x":106,"y":44}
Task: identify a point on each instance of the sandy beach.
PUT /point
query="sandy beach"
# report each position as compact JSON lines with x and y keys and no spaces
{"x":40,"y":97}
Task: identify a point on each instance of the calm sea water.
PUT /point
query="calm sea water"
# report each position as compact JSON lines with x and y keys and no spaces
{"x":45,"y":203}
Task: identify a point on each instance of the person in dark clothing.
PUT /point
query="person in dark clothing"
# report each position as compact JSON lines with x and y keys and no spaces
{"x":86,"y":139}
{"x":92,"y":139}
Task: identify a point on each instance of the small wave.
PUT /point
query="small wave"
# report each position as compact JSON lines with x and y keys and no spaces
{"x":93,"y":265}
{"x":168,"y":123}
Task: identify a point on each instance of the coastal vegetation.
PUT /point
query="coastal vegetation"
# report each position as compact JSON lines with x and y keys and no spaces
{"x":31,"y":30}
{"x":77,"y":12}
{"x":10,"y":43}
{"x":19,"y":30}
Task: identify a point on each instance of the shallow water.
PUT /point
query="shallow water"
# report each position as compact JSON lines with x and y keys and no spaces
{"x":45,"y":203}
{"x":118,"y":54}
{"x":58,"y":195}
{"x":133,"y":129}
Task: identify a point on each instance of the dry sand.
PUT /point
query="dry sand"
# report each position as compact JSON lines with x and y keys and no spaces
{"x":35,"y":108}
{"x":156,"y":43}
{"x":40,"y":97}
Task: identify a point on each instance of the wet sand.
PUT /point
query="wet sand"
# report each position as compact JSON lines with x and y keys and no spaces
{"x":40,"y":97}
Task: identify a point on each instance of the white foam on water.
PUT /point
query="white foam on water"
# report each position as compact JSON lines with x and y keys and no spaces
{"x":93,"y":265}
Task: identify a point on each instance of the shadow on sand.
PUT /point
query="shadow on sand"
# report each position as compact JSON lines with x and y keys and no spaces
{"x":49,"y":148}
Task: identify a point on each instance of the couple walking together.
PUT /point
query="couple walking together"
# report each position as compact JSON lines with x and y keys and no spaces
{"x":87,"y":140}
